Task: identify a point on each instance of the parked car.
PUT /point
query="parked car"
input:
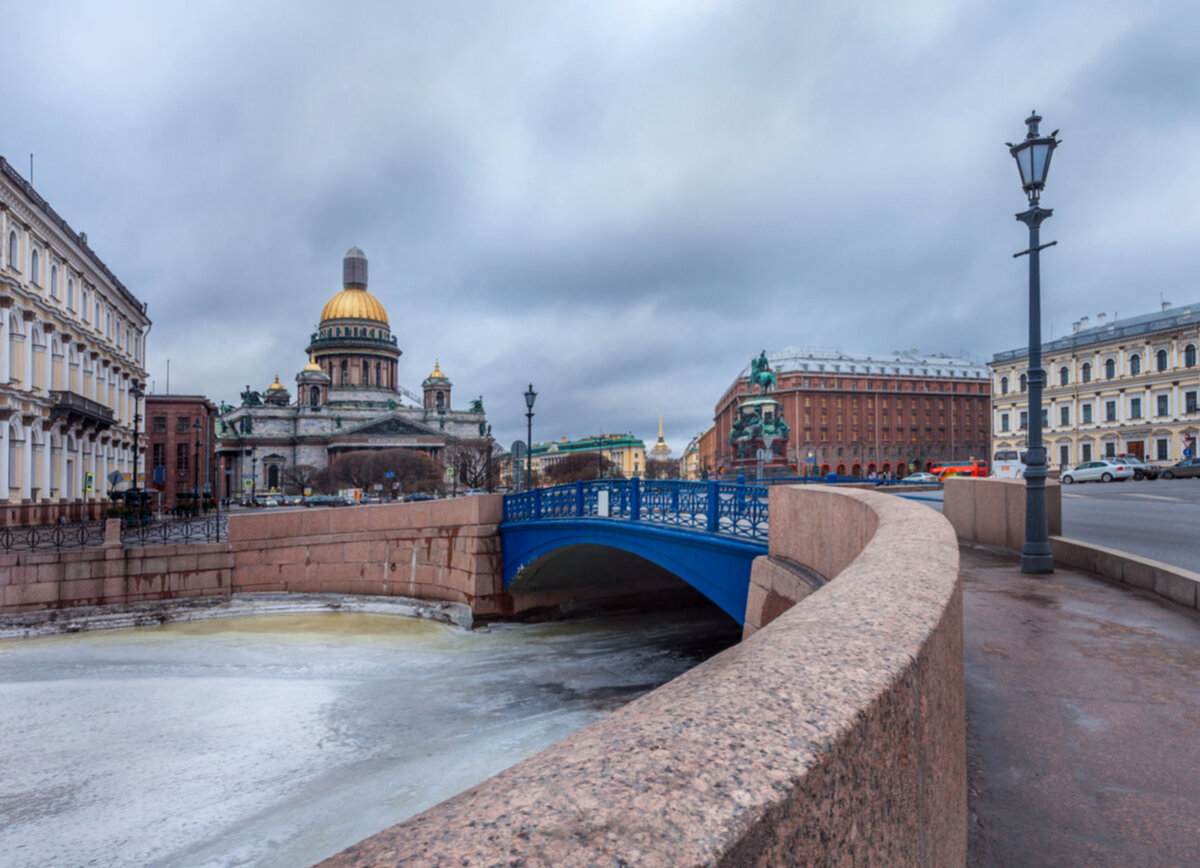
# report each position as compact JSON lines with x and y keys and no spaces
{"x":921,"y":479}
{"x":1141,"y":470}
{"x":1186,"y":467}
{"x":324,"y":500}
{"x":416,"y":496}
{"x":1104,"y":470}
{"x":475,"y":491}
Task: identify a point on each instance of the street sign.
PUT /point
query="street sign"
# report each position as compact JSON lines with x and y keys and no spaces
{"x":89,"y":482}
{"x":114,"y":477}
{"x":247,"y":483}
{"x":1187,"y":453}
{"x":449,"y":473}
{"x":388,"y":475}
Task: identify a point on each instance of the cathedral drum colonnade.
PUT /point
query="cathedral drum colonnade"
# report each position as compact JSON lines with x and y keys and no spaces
{"x":72,"y":348}
{"x":348,"y":398}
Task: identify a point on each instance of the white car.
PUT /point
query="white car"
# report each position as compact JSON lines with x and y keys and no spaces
{"x":1104,"y":470}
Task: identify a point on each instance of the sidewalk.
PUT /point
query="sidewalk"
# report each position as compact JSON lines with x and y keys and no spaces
{"x":1083,"y":720}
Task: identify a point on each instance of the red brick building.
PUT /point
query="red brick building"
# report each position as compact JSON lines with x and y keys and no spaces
{"x":179,"y":445}
{"x":857,"y":414}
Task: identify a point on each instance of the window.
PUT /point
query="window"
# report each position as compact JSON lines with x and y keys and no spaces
{"x":1024,"y":382}
{"x":1023,"y":420}
{"x":160,"y":424}
{"x":1064,"y":455}
{"x":1064,"y":376}
{"x":1110,"y":368}
{"x":84,"y":304}
{"x":34,"y":267}
{"x":1160,"y":447}
{"x":1087,"y":414}
{"x":160,"y":455}
{"x":13,"y":261}
{"x":1110,"y":449}
{"x":1189,"y":355}
{"x":181,"y":458}
{"x":1064,"y":416}
{"x":1110,"y":411}
{"x":1135,"y":364}
{"x":1085,"y":451}
{"x":54,"y":281}
{"x":314,"y":396}
{"x":71,"y":294}
{"x":1162,"y":405}
{"x":1190,"y":399}
{"x":345,"y":372}
{"x":1045,"y":417}
{"x":1135,"y":408}
{"x":1003,"y":421}
{"x":1086,"y":372}
{"x":182,"y":424}
{"x":1160,"y":360}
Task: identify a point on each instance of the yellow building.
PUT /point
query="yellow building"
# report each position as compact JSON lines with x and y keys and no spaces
{"x":1123,"y":387}
{"x":72,"y":346}
{"x":625,"y":451}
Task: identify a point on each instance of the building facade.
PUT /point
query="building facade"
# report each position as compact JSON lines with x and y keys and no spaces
{"x":857,"y":414}
{"x":1128,"y":386}
{"x":72,"y":349}
{"x":626,"y":452}
{"x":179,"y":445}
{"x":348,"y":398}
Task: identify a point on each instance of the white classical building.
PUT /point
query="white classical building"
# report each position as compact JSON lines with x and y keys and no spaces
{"x":1126,"y":386}
{"x":72,"y":343}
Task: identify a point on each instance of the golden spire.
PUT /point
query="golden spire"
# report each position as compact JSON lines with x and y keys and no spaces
{"x":311,"y":366}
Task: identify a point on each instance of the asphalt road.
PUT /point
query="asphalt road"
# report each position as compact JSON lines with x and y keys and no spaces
{"x":1157,"y":519}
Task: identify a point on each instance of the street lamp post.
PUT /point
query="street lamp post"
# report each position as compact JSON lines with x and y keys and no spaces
{"x":253,"y":477}
{"x":1033,"y":161}
{"x":136,"y":391}
{"x":530,"y":397}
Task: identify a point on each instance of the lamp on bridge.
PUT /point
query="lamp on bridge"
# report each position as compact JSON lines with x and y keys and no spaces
{"x":1033,"y":162}
{"x":530,"y":397}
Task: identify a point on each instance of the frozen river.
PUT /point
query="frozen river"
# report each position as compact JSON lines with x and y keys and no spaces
{"x":278,"y":740}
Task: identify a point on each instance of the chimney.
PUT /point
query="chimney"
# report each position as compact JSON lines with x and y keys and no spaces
{"x":1166,"y":305}
{"x":1083,"y":323}
{"x":1100,"y":318}
{"x":1076,"y":326}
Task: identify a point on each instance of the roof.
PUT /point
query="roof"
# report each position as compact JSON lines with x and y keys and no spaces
{"x":1133,"y":326}
{"x":904,"y":363}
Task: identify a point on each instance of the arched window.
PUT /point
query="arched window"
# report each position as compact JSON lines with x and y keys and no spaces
{"x":1135,"y":364}
{"x":1024,"y":382}
{"x":273,"y":476}
{"x":1110,"y":368}
{"x":1086,"y":372}
{"x":314,"y":396}
{"x":366,"y":373}
{"x":1004,"y":385}
{"x":345,"y":372}
{"x":378,"y":374}
{"x":13,"y":262}
{"x":1189,"y":355}
{"x":34,"y":264}
{"x":83,"y":304}
{"x":54,"y":281}
{"x":441,"y":400}
{"x":1160,"y":360}
{"x":1064,"y":375}
{"x":70,"y":293}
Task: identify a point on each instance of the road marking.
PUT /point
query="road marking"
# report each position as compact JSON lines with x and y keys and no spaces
{"x":1157,"y":497}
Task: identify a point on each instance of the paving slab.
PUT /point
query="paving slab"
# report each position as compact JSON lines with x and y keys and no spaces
{"x":1083,"y":719}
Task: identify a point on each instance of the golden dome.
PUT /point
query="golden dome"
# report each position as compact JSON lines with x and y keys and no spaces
{"x":311,"y":366}
{"x":436,"y":374}
{"x":354,"y":303}
{"x":276,"y":386}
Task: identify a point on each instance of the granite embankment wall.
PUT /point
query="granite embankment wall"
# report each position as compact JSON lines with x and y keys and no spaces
{"x":442,"y":550}
{"x":992,"y":512}
{"x":835,"y":735}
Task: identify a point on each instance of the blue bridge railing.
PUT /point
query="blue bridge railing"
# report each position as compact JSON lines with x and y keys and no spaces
{"x":728,"y":508}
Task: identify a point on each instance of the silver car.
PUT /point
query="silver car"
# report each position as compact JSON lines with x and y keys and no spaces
{"x":1104,"y":470}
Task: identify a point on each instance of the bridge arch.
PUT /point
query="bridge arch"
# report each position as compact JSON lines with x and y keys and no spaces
{"x":717,"y":566}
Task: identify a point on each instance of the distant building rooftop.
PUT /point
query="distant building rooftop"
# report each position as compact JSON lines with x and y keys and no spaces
{"x":903,"y":363}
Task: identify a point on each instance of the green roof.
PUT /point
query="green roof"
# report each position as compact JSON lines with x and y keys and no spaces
{"x":589,"y":444}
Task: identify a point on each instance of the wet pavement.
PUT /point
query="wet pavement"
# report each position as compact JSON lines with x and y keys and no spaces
{"x":1083,"y":720}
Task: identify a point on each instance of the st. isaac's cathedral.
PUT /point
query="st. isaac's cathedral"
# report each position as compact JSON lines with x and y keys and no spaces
{"x":348,"y":397}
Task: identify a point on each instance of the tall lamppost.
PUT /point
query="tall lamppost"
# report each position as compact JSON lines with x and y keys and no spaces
{"x":1033,"y":161}
{"x":530,"y":397}
{"x":253,"y":477}
{"x":136,"y":391}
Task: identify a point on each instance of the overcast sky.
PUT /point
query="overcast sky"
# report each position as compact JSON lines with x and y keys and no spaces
{"x":619,"y":202}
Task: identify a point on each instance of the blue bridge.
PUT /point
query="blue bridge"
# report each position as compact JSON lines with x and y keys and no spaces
{"x":705,"y":533}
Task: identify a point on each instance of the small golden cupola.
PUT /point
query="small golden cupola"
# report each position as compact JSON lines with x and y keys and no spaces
{"x":437,"y":390}
{"x":277,"y":393}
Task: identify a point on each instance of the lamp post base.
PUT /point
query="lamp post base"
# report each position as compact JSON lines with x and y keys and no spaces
{"x":1037,"y":563}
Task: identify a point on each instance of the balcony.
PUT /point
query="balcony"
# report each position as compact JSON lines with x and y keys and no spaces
{"x":81,"y":411}
{"x":317,"y":342}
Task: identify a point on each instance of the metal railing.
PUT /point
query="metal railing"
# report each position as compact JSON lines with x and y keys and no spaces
{"x":52,"y":537}
{"x":212,"y":527}
{"x":712,"y":507}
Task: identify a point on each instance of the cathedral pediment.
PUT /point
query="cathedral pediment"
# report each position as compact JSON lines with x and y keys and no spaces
{"x":388,"y":426}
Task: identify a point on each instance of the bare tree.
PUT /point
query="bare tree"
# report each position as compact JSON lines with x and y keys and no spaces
{"x":581,"y":465}
{"x":411,"y":470}
{"x":657,"y":469}
{"x":474,"y":462}
{"x":300,"y":477}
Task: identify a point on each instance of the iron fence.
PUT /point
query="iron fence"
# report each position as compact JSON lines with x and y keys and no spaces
{"x":213,"y":527}
{"x":713,"y":507}
{"x":52,"y":537}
